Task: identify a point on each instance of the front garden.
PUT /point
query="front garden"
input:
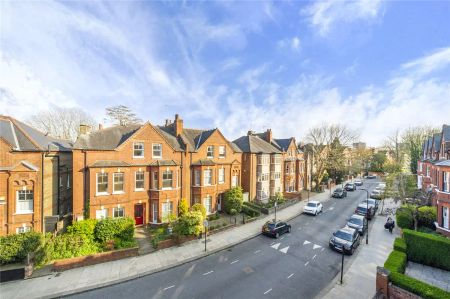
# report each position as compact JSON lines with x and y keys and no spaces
{"x":83,"y":238}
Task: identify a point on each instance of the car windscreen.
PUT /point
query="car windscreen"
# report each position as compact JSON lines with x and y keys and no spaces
{"x":271,"y":225}
{"x":338,"y":190}
{"x":310,"y":204}
{"x":361,"y":209}
{"x":356,"y":221}
{"x":343,"y":235}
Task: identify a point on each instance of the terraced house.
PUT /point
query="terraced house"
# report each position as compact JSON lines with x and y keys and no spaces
{"x":35,"y":179}
{"x":270,"y":165}
{"x":433,"y":175}
{"x":143,"y":171}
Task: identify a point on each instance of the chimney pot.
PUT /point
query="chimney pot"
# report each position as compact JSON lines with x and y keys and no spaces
{"x":178,"y":125}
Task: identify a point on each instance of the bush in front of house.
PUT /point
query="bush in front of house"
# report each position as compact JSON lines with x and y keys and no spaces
{"x":183,"y":207}
{"x":14,"y":248}
{"x":199,"y":208}
{"x":418,"y":287}
{"x":84,"y":228}
{"x":233,"y":200}
{"x":190,"y":224}
{"x":427,"y":216}
{"x":400,"y":245}
{"x":396,"y":262}
{"x":111,"y":228}
{"x":427,"y":249}
{"x":404,"y":217}
{"x":248,"y":210}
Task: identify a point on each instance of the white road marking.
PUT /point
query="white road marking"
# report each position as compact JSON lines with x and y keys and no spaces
{"x":165,"y":289}
{"x":207,"y":273}
{"x":314,"y":256}
{"x":299,"y":228}
{"x":285,"y":249}
{"x":322,"y":249}
{"x":272,"y":243}
{"x":306,"y":264}
{"x":281,"y":238}
{"x":257,"y":251}
{"x":267,"y":291}
{"x":306,"y":242}
{"x":331,"y":208}
{"x":290,"y":276}
{"x":316,"y":246}
{"x":234,"y":262}
{"x":276,"y":245}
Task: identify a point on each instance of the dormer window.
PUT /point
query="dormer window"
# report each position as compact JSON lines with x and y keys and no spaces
{"x":138,"y":150}
{"x":210,"y":152}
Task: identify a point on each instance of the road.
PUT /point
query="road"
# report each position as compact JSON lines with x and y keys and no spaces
{"x":297,"y":265}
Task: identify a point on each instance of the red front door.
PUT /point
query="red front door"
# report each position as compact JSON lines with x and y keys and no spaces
{"x":139,"y":214}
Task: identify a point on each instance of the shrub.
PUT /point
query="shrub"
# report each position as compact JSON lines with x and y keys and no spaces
{"x":233,"y":200}
{"x":250,"y":211}
{"x":253,"y":205}
{"x":400,"y":245}
{"x":111,"y":228}
{"x":14,"y":248}
{"x":427,"y":249}
{"x":184,"y":207}
{"x":405,"y":218}
{"x":199,"y":208}
{"x":189,"y":224}
{"x":396,"y":261}
{"x":418,"y":287}
{"x":233,"y":212}
{"x":427,"y":216}
{"x":84,"y":227}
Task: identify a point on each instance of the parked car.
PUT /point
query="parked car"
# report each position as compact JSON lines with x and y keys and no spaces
{"x":358,"y":182}
{"x":358,"y":222}
{"x":362,"y":210}
{"x":376,"y":194}
{"x":350,"y":187}
{"x":382,"y":186}
{"x":345,"y":240}
{"x":275,"y":229}
{"x":313,"y":207}
{"x":371,"y":176}
{"x":339,"y":193}
{"x":372,"y":203}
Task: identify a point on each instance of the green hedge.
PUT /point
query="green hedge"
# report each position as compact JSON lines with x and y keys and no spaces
{"x":250,"y":211}
{"x":252,"y":205}
{"x":233,"y":200}
{"x":400,"y":245}
{"x":113,"y":228}
{"x":404,"y":218}
{"x":418,"y":287}
{"x":427,"y":216}
{"x":14,"y":248}
{"x":396,"y":262}
{"x":427,"y":249}
{"x":84,"y":227}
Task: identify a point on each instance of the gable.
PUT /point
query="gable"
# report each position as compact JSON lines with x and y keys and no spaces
{"x":148,"y":134}
{"x":24,"y":166}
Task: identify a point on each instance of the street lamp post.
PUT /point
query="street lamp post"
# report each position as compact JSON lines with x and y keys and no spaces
{"x":275,"y":212}
{"x":367,"y":216}
{"x":205,"y":224}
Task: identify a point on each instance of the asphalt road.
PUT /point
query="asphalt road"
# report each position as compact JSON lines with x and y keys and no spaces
{"x":297,"y":265}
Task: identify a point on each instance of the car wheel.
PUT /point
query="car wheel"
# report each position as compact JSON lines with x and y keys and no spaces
{"x":289,"y":229}
{"x":277,"y":235}
{"x":315,"y":213}
{"x":352,"y":251}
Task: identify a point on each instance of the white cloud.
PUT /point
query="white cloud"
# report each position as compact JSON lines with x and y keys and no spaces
{"x":291,"y":43}
{"x":324,"y":15}
{"x":438,"y":60}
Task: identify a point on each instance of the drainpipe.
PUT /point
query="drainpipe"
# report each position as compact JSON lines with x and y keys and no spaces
{"x":42,"y":191}
{"x":84,"y":181}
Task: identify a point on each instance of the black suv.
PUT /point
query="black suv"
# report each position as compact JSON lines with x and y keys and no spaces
{"x":339,"y":193}
{"x":275,"y":229}
{"x":345,"y":240}
{"x":350,"y":187}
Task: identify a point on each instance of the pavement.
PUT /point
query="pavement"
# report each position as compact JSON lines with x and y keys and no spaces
{"x":359,"y":276}
{"x":100,"y":275}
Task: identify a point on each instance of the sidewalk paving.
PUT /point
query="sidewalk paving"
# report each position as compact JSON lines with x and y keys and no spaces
{"x":95,"y":276}
{"x":360,"y":274}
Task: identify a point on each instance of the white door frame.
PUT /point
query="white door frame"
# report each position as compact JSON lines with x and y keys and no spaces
{"x":445,"y":217}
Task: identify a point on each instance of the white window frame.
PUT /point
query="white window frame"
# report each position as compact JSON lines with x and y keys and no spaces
{"x":68,"y":180}
{"x":446,"y":182}
{"x":207,"y":203}
{"x":30,"y":202}
{"x":166,"y":172}
{"x":121,"y":211}
{"x":136,"y":181}
{"x":221,"y":177}
{"x":197,"y":177}
{"x":167,"y":209}
{"x":222,"y":151}
{"x":155,"y":180}
{"x":96,"y":183}
{"x":205,"y":177}
{"x":138,"y":149}
{"x":234,"y":181}
{"x":160,"y":150}
{"x":210,"y":151}
{"x":114,"y":183}
{"x":23,"y":229}
{"x":101,"y":214}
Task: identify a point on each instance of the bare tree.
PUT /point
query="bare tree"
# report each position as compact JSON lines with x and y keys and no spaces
{"x":60,"y":122}
{"x":122,"y":115}
{"x":321,"y":139}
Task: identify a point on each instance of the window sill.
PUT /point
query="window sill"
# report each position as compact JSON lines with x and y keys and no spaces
{"x":24,"y":213}
{"x":221,"y":183}
{"x":167,"y":188}
{"x":138,"y":157}
{"x":101,"y":194}
{"x":119,"y":192}
{"x":221,"y":157}
{"x":139,"y":190}
{"x":153,"y":157}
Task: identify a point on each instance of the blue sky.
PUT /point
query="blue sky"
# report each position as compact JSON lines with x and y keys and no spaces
{"x":375,"y":66}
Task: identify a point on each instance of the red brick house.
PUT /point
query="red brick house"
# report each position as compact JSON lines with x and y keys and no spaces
{"x":35,"y":179}
{"x":433,"y":175}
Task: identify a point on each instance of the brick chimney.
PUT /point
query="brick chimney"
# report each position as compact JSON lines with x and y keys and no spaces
{"x":100,"y":127}
{"x":250,"y":132}
{"x":84,"y":129}
{"x":269,"y":135}
{"x":178,"y":125}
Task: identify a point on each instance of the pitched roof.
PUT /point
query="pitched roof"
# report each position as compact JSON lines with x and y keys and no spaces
{"x":436,"y":142}
{"x":164,"y":163}
{"x":283,"y":144}
{"x":446,"y":133}
{"x":235,"y":147}
{"x":22,"y":137}
{"x":195,"y":138}
{"x":443,"y":163}
{"x":106,"y":139}
{"x":204,"y":162}
{"x":109,"y":163}
{"x":254,"y":144}
{"x":174,"y":142}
